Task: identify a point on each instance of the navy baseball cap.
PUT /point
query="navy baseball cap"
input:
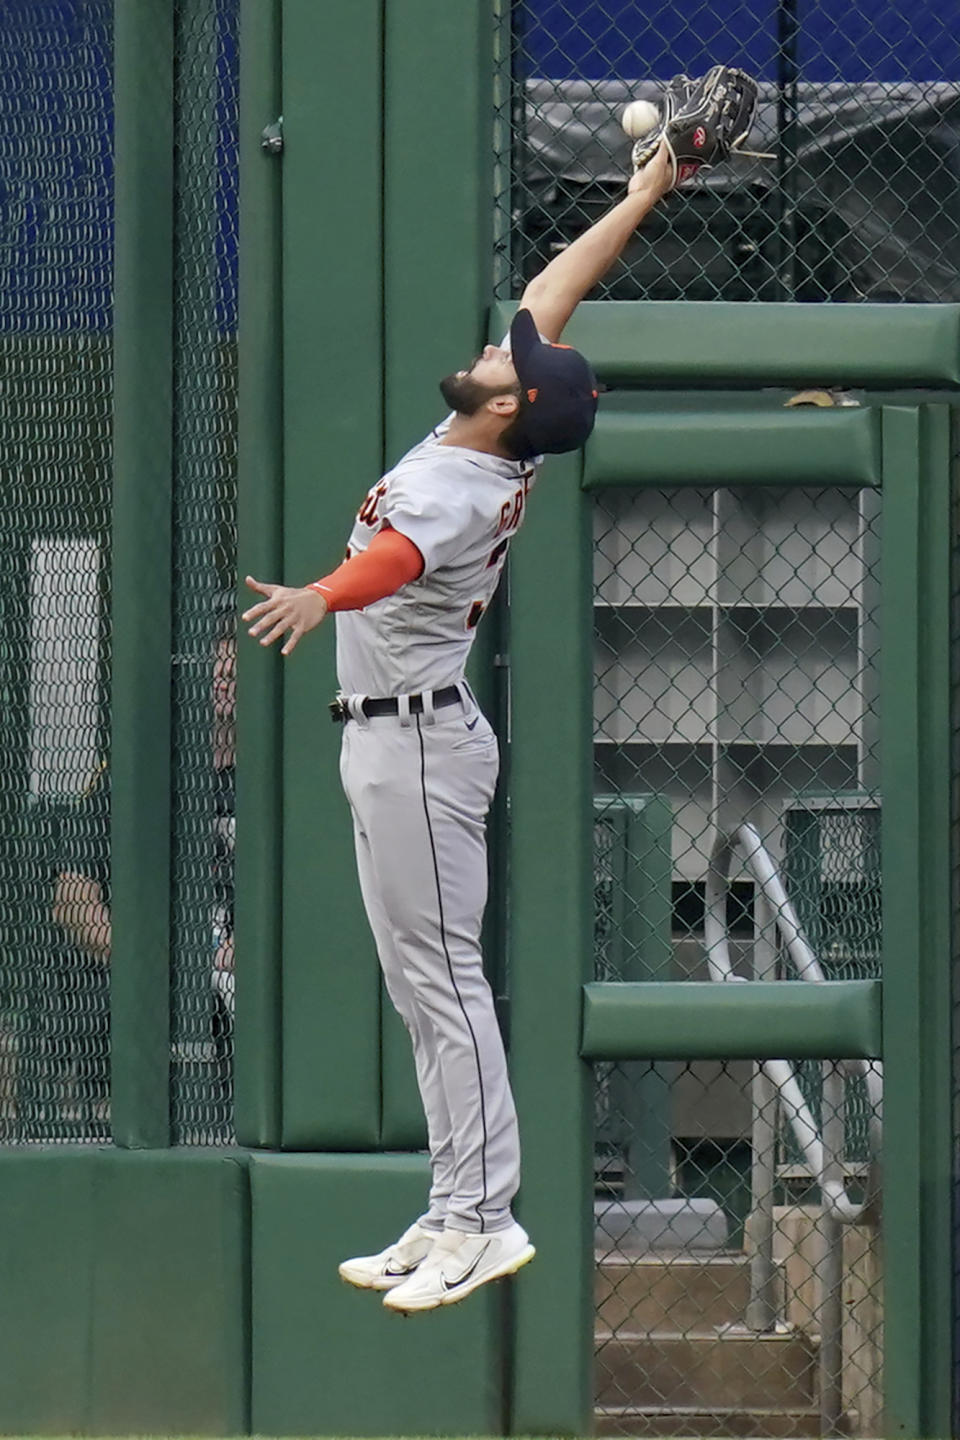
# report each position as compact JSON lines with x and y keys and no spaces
{"x":558,"y":405}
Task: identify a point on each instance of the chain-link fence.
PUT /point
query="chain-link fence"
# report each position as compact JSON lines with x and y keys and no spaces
{"x":56,"y":185}
{"x":204,"y":618}
{"x":56,"y":263}
{"x":859,"y":104}
{"x":955,"y":927}
{"x":735,"y":705}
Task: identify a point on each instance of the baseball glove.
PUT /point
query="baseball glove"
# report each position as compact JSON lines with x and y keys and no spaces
{"x":703,"y":122}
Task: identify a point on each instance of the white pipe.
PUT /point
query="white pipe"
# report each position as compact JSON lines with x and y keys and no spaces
{"x":716,"y":944}
{"x":763,"y":870}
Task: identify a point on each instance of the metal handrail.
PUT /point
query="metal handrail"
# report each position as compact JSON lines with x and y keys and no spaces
{"x":761,"y":866}
{"x":758,"y":861}
{"x":776,"y":915}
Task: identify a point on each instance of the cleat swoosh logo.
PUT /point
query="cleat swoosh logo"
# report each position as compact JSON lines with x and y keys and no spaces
{"x":465,"y":1275}
{"x":394,"y":1270}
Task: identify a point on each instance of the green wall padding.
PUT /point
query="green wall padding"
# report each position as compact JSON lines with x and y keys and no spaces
{"x":756,"y":1021}
{"x":123,"y":1292}
{"x":756,"y":445}
{"x":745,"y":344}
{"x":328,"y":1359}
{"x":333,"y":452}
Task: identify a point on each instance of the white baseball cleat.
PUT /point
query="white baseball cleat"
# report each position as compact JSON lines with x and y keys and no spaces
{"x":457,"y":1265}
{"x":395,"y":1264}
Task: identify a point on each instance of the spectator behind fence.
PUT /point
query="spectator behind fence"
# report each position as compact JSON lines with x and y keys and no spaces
{"x":81,"y":901}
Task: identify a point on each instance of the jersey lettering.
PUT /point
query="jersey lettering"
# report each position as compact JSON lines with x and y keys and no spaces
{"x":496,"y":552}
{"x":367,"y":514}
{"x":476,"y":614}
{"x":511,"y":511}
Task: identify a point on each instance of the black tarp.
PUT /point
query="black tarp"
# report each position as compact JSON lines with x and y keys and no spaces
{"x":866,"y":207}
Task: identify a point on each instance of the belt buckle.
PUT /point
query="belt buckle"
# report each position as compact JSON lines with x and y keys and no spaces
{"x":339,"y":712}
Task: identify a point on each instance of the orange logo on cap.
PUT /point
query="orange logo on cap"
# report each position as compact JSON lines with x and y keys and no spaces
{"x":532,"y":395}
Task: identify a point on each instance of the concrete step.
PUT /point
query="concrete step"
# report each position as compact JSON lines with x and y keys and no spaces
{"x":681,"y":1294}
{"x":680,"y":1223}
{"x":717,"y":1424}
{"x":733,"y":1370}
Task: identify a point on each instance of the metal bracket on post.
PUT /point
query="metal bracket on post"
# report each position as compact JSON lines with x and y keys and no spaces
{"x":271,"y":137}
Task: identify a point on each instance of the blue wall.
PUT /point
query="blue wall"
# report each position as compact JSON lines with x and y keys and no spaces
{"x":56,"y":164}
{"x":840,"y":40}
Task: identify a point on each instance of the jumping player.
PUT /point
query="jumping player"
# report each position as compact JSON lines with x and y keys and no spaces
{"x":419,"y":761}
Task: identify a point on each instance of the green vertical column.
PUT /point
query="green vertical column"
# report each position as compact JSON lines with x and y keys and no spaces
{"x":141,"y":580}
{"x":333,"y":452}
{"x":260,"y":552}
{"x":437,"y":247}
{"x":643,"y":895}
{"x":437,"y":222}
{"x":551,"y":951}
{"x":915,"y":759}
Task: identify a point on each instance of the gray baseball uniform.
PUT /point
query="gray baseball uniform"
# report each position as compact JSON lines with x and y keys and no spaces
{"x":419,"y":785}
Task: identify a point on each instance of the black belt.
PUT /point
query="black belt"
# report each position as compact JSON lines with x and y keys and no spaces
{"x":390,"y":705}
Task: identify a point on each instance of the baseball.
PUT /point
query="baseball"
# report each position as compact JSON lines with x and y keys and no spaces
{"x":639,"y":118}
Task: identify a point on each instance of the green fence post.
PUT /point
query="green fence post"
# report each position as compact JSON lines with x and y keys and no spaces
{"x":437,"y":163}
{"x":141,"y":581}
{"x":639,"y":1092}
{"x":437,"y":224}
{"x":551,"y":950}
{"x":259,"y":552}
{"x":916,"y":920}
{"x":333,"y":453}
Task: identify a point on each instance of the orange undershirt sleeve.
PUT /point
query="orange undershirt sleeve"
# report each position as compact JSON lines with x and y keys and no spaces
{"x":389,"y":561}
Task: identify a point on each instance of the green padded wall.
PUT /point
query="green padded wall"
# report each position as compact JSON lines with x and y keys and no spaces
{"x":699,"y":343}
{"x":333,"y":452}
{"x":123,"y":1294}
{"x":328,"y":1359}
{"x":653,"y":1021}
{"x":755,"y":445}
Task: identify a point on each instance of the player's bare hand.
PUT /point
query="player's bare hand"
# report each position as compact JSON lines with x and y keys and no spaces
{"x":655,"y":175}
{"x":285,"y":610}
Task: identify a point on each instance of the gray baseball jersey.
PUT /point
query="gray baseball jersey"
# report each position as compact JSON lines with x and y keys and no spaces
{"x":460,"y":508}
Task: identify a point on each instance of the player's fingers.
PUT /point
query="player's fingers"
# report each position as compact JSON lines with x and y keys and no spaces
{"x":256,"y":611}
{"x":272,"y":617}
{"x":261,"y":587}
{"x":291,"y":644}
{"x":281,"y":627}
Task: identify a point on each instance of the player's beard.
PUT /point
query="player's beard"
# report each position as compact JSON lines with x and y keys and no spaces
{"x":466,"y":396}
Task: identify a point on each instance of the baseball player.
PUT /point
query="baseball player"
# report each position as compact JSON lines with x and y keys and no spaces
{"x":419,"y":760}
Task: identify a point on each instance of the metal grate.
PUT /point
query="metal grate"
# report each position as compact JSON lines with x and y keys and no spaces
{"x":56,"y":197}
{"x":860,"y":104}
{"x":736,"y":663}
{"x":204,"y":623}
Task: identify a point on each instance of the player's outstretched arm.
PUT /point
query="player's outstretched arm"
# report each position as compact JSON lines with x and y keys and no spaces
{"x":556,"y":292}
{"x":389,"y":562}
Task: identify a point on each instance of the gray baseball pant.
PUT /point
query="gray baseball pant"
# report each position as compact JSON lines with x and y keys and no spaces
{"x":419,"y":792}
